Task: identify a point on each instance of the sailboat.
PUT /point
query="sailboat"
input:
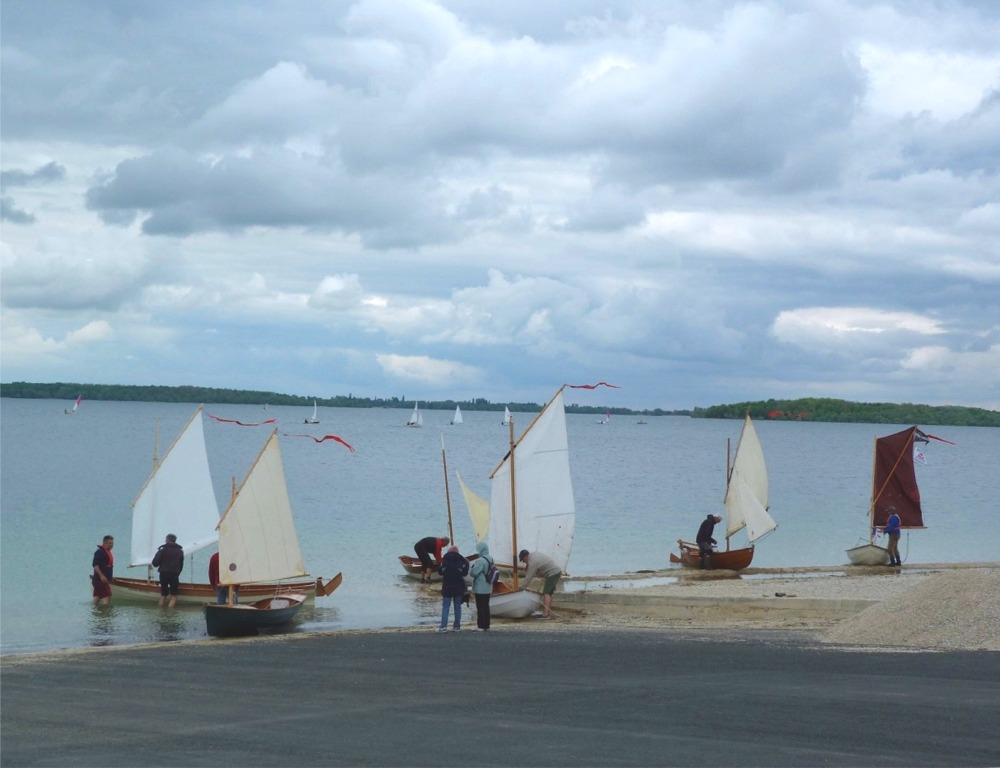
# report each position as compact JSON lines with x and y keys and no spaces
{"x":178,"y":497}
{"x":606,"y":419}
{"x":314,"y":419}
{"x":531,"y":505}
{"x":506,"y":416}
{"x":894,"y":484}
{"x":416,"y":418}
{"x":258,"y":544}
{"x":76,"y":405}
{"x":745,"y":503}
{"x":457,"y":418}
{"x":411,"y":564}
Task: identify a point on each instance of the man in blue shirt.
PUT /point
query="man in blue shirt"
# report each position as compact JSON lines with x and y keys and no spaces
{"x":892,"y":529}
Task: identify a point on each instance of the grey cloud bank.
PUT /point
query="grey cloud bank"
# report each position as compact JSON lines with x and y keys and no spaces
{"x":699,"y":203}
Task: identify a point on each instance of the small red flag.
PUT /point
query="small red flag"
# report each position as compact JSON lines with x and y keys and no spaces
{"x":325,"y":437}
{"x":240,"y":423}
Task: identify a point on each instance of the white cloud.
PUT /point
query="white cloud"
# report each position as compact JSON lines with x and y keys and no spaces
{"x":428,"y":371}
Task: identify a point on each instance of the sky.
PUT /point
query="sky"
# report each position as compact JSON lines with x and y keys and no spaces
{"x":701,"y":203}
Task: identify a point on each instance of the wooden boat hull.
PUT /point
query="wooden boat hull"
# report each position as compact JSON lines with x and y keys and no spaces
{"x":506,"y":603}
{"x":730,"y":560}
{"x":193,"y":593}
{"x":250,"y":618}
{"x":868,"y":554}
{"x":415,"y":569}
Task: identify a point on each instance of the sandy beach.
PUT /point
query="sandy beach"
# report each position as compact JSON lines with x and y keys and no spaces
{"x":933,"y":606}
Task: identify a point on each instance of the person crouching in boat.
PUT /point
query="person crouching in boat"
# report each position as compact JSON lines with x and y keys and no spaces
{"x":424,"y":548}
{"x":705,"y":541}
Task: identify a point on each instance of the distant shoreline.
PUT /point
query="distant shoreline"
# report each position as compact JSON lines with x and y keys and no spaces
{"x":802,"y":409}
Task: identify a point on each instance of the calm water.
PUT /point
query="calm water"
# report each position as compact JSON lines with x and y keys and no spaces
{"x":67,"y":480}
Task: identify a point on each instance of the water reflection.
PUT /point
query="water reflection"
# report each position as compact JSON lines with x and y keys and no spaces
{"x":169,"y":625}
{"x":102,"y":625}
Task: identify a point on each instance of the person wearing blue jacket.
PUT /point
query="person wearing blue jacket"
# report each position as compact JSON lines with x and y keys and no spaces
{"x":481,"y":586}
{"x":892,"y":529}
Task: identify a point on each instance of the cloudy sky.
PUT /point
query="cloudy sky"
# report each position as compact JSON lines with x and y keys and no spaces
{"x":701,"y":202}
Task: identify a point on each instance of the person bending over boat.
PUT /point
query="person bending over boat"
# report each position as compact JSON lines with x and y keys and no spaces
{"x":169,"y":558}
{"x":424,"y":548}
{"x":705,"y":540}
{"x":103,"y":564}
{"x":546,"y":568}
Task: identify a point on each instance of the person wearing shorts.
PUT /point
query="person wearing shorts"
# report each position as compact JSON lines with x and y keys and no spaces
{"x":541,"y":565}
{"x":103,"y":565}
{"x":169,"y":558}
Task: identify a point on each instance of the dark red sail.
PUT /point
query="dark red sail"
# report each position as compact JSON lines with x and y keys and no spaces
{"x":894,"y":481}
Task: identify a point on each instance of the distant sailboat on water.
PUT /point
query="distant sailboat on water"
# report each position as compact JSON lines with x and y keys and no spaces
{"x":76,"y":405}
{"x":416,"y":418}
{"x":506,"y":416}
{"x":606,"y":419}
{"x":457,"y":418}
{"x":314,"y":419}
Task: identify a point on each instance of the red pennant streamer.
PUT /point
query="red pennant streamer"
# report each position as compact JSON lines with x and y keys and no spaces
{"x":934,"y":437}
{"x":593,"y":386}
{"x":240,"y":423}
{"x":325,"y":437}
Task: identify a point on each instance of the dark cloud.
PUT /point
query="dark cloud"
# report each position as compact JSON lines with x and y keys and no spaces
{"x":51,"y":171}
{"x":10,"y":212}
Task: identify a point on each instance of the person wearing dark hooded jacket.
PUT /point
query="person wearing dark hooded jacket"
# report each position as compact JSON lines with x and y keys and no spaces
{"x":453,"y":569}
{"x":169,"y":558}
{"x":481,"y":587}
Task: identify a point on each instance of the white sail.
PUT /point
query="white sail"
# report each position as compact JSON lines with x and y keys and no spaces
{"x":257,"y":538}
{"x":479,"y":510}
{"x":458,"y":415}
{"x":746,"y":492}
{"x":546,"y":511}
{"x":177,"y":498}
{"x":416,"y":419}
{"x":506,"y":416}
{"x":314,"y":419}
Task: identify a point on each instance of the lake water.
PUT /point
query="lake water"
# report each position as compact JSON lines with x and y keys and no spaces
{"x":65,"y":481}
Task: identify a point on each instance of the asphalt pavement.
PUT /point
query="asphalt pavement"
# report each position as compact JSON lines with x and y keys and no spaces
{"x":509,"y":697}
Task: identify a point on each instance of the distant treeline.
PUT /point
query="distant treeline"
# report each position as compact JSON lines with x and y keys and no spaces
{"x":806,"y":409}
{"x":826,"y":409}
{"x":188,"y":394}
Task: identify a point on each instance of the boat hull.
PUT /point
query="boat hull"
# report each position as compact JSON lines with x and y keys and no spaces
{"x":193,"y":593}
{"x":506,"y":603}
{"x":868,"y":554}
{"x":415,"y":569}
{"x":729,"y":560}
{"x":250,"y":618}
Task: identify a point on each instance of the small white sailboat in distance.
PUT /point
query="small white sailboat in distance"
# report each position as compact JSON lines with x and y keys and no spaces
{"x":506,"y":416}
{"x":606,"y":419}
{"x":416,"y":418}
{"x":314,"y":419}
{"x":457,"y":418}
{"x":76,"y":405}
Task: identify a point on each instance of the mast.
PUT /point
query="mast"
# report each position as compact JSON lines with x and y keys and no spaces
{"x":871,"y":506}
{"x":729,"y":476}
{"x":447,"y":493}
{"x":513,"y":504}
